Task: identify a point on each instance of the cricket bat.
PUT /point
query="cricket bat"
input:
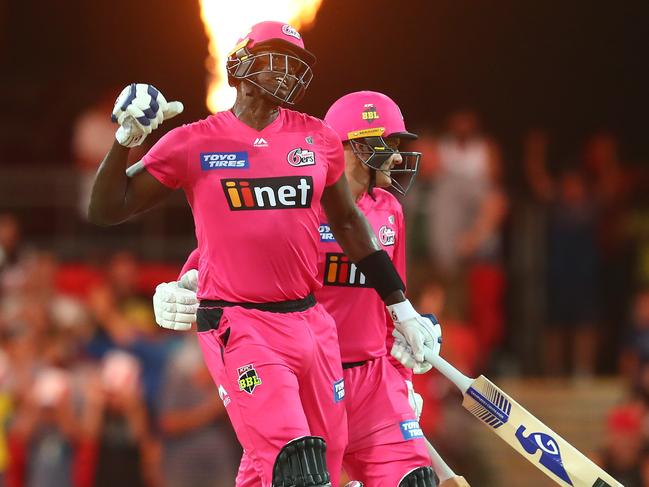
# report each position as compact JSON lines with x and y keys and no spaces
{"x":550,"y":453}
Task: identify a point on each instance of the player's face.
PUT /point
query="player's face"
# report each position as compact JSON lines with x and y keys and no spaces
{"x":383,"y":179}
{"x":278,"y":72}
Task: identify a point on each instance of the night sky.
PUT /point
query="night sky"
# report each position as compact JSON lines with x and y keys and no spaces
{"x":572,"y":67}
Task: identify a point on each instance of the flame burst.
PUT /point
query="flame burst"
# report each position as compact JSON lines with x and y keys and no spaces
{"x":226,"y":21}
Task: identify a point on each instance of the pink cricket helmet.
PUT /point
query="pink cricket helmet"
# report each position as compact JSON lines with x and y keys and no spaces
{"x":367,"y":114}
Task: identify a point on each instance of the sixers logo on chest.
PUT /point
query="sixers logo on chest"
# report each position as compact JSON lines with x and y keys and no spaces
{"x":386,"y":236}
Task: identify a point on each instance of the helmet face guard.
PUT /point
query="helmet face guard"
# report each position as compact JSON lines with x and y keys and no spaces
{"x":290,"y":71}
{"x":374,"y":152}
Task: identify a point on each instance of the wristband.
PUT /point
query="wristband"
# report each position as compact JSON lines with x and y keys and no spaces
{"x":381,"y":273}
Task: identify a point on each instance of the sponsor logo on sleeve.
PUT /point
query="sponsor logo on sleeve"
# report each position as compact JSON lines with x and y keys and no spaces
{"x":224,"y":160}
{"x":550,"y":454}
{"x":410,"y":429}
{"x":386,"y":235}
{"x":325,"y":233}
{"x":340,"y":271}
{"x":283,"y":193}
{"x":249,"y":380}
{"x":301,"y":157}
{"x":339,"y":390}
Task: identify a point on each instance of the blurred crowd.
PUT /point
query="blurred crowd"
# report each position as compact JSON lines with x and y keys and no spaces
{"x":92,"y":391}
{"x":535,"y":263}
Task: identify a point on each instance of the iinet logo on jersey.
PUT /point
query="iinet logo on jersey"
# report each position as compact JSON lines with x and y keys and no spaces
{"x":340,"y":271}
{"x":281,"y":193}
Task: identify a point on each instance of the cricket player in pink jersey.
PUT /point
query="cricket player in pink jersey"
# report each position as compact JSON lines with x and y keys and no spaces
{"x":385,"y":441}
{"x":257,"y":178}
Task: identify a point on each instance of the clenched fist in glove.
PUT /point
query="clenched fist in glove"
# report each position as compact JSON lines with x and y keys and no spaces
{"x":139,"y":109}
{"x":414,"y":334}
{"x":175,"y":303}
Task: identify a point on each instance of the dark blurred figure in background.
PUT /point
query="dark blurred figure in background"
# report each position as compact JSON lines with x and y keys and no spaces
{"x":567,"y":260}
{"x":573,"y":277}
{"x":43,"y":433}
{"x":124,"y":319}
{"x":117,"y":436}
{"x":198,"y":444}
{"x":465,"y":211}
{"x":635,"y":353}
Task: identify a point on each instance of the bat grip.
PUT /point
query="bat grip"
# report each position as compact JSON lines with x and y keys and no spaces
{"x":451,"y":373}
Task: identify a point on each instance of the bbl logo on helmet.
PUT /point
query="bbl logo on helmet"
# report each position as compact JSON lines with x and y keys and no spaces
{"x":248,"y":378}
{"x":369,"y":113}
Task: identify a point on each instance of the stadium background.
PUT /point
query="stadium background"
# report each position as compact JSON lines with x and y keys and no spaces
{"x":560,"y":91}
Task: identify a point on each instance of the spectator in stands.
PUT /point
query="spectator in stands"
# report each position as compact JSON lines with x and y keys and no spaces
{"x":573,"y":276}
{"x":635,"y":353}
{"x":466,"y":209}
{"x":43,"y":433}
{"x":124,"y":319}
{"x":115,"y":426}
{"x":625,"y":444}
{"x":198,"y":445}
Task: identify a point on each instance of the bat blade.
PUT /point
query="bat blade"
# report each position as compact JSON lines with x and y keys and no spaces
{"x":532,"y":439}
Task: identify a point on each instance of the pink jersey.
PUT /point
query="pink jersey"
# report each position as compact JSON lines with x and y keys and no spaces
{"x":360,"y":314}
{"x":255,"y":196}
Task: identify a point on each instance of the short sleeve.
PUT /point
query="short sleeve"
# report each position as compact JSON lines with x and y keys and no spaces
{"x":334,"y":155}
{"x":191,"y":263}
{"x":167,"y":159}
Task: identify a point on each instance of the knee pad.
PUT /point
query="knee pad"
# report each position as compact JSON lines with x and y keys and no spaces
{"x":302,"y":463}
{"x":420,"y":477}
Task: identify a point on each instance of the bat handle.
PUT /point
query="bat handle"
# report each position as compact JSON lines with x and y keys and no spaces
{"x":451,"y":373}
{"x":443,"y":471}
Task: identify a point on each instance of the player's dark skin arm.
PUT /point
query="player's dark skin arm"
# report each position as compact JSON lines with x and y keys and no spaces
{"x":350,"y":227}
{"x":116,"y":197}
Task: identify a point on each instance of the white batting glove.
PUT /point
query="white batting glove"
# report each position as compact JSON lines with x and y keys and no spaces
{"x":189,"y":280}
{"x":418,"y":331}
{"x":403,"y":353}
{"x":139,"y":109}
{"x":415,"y":400}
{"x":174,"y":307}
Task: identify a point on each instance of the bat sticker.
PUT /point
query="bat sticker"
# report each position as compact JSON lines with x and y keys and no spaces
{"x":550,"y":454}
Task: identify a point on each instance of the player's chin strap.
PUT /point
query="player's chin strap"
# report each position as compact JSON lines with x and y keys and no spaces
{"x":420,"y":477}
{"x":302,"y":463}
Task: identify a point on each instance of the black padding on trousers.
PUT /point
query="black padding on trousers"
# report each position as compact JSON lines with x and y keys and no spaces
{"x":420,"y":477}
{"x":302,"y":463}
